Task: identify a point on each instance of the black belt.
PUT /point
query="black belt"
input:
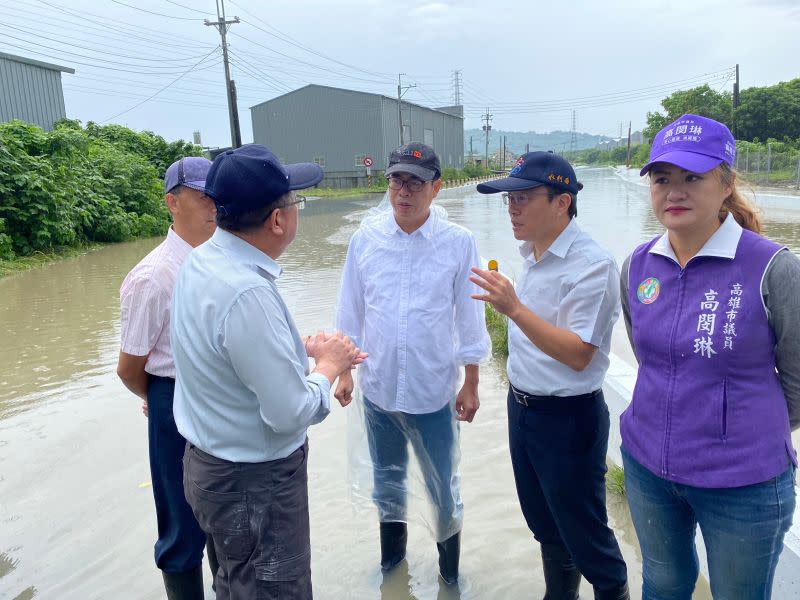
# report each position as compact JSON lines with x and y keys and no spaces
{"x":532,"y":400}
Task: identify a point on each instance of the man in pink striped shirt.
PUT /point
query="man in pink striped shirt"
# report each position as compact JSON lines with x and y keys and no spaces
{"x":147,"y":369}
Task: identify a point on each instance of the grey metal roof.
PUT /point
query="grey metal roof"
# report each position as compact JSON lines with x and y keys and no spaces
{"x":330,"y":87}
{"x":36,"y":63}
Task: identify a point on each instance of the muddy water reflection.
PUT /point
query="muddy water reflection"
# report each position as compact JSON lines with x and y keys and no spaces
{"x":76,"y":510}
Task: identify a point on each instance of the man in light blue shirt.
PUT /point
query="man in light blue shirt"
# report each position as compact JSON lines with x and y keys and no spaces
{"x":244,"y":398}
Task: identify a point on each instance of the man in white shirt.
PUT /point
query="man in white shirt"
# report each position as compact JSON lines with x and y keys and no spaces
{"x":405,"y":300}
{"x":147,"y":369}
{"x":244,"y":398}
{"x":560,"y":321}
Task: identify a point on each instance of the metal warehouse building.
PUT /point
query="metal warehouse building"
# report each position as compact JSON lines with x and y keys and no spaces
{"x":30,"y":90}
{"x":337,"y":128}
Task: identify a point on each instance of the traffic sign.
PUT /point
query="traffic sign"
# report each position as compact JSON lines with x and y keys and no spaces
{"x":367,"y":161}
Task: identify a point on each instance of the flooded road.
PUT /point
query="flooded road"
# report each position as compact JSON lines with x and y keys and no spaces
{"x":76,"y":508}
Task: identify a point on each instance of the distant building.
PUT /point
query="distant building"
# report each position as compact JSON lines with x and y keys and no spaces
{"x":338,"y":128}
{"x":30,"y":90}
{"x":637,"y":137}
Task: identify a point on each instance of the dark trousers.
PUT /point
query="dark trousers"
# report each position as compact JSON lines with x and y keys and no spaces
{"x":180,"y":541}
{"x":558,"y":451}
{"x":257,"y":516}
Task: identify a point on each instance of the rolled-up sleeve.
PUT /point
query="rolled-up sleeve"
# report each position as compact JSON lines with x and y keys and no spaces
{"x":350,"y":309}
{"x":591,"y":307}
{"x":473,"y":345}
{"x":261,"y":346}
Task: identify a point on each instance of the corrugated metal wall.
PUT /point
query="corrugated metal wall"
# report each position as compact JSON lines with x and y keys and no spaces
{"x":30,"y":93}
{"x":319,"y":122}
{"x":338,"y":125}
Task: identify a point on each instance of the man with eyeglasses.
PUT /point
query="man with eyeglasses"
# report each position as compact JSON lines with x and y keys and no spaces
{"x":244,"y":398}
{"x":147,"y":369}
{"x":559,"y":336}
{"x":405,"y":299}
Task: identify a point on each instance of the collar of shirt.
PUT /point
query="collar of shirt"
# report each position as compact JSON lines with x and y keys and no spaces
{"x":426,"y":230}
{"x":179,"y":247}
{"x":560,"y":245}
{"x":722,"y":244}
{"x":246,"y":253}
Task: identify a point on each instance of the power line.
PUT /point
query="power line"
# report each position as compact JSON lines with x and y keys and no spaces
{"x":285,"y":38}
{"x":107,"y":52}
{"x":202,"y":12}
{"x":158,"y":14}
{"x":170,"y":84}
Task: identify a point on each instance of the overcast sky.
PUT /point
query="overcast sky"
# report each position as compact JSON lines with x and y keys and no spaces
{"x":530,"y":63}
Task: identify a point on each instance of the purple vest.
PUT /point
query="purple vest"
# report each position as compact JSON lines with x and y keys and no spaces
{"x":708,"y":409}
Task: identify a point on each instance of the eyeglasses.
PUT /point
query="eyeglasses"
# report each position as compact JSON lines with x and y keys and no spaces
{"x":299,"y":200}
{"x":518,"y":198}
{"x":413,"y":184}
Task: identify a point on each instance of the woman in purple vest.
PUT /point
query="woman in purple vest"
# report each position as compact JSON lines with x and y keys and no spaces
{"x":712,"y":311}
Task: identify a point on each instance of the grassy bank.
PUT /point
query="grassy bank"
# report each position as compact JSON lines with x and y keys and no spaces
{"x":344,"y":192}
{"x":497,"y":324}
{"x":40,"y":259}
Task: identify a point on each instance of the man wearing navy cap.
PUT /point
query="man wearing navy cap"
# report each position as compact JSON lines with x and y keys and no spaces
{"x":559,"y":336}
{"x":244,"y":398}
{"x":406,"y":299}
{"x":147,"y":369}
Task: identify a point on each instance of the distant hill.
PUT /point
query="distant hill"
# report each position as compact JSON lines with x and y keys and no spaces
{"x":516,"y":140}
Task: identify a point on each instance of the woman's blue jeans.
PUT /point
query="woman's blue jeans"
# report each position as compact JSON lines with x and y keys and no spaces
{"x":742,"y":528}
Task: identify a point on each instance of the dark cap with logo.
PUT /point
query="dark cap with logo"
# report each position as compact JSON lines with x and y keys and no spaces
{"x":417,"y":159}
{"x":535,"y":169}
{"x":252,"y":177}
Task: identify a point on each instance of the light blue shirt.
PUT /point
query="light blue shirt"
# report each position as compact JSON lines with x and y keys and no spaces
{"x":575,"y":286}
{"x":243,"y":392}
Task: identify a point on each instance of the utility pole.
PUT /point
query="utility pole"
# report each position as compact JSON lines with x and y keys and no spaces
{"x":735,"y":100}
{"x":400,"y":91}
{"x":504,"y":154}
{"x":471,"y":155}
{"x":221,"y":25}
{"x":487,"y":128}
{"x":628,"y":156}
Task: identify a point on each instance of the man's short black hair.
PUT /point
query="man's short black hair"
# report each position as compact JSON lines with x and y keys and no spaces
{"x":252,"y":219}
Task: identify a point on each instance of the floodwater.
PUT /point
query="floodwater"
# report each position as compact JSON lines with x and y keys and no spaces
{"x":76,"y":507}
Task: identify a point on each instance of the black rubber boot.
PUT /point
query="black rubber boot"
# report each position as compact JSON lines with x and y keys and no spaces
{"x":449,"y":552}
{"x":187,"y":585}
{"x":394,"y":536}
{"x":561,"y":576}
{"x":620,"y":593}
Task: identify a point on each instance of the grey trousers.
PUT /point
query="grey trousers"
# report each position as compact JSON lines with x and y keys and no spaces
{"x":257,"y":516}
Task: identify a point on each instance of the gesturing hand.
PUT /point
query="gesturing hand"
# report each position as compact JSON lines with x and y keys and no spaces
{"x":500,"y":291}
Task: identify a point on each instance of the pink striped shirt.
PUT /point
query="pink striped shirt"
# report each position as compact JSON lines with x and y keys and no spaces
{"x":145,"y":298}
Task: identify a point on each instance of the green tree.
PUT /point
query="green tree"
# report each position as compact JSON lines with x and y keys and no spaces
{"x":769,"y":112}
{"x":701,"y":100}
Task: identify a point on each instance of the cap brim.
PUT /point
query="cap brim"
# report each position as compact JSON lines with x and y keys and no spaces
{"x":196,"y":185}
{"x":415,"y":170}
{"x":691,"y":161}
{"x":507,"y":184}
{"x":303,"y":175}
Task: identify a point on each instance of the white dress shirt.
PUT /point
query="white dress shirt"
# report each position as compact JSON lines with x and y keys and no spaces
{"x":243,"y":392}
{"x":405,"y":299}
{"x":574,"y":286}
{"x":144,"y":300}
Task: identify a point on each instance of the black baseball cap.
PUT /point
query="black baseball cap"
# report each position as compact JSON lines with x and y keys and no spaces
{"x":415,"y":158}
{"x":535,"y":169}
{"x":251,"y":176}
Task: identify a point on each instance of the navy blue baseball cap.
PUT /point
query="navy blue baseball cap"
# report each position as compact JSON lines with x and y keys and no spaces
{"x":535,"y":169}
{"x":252,"y":177}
